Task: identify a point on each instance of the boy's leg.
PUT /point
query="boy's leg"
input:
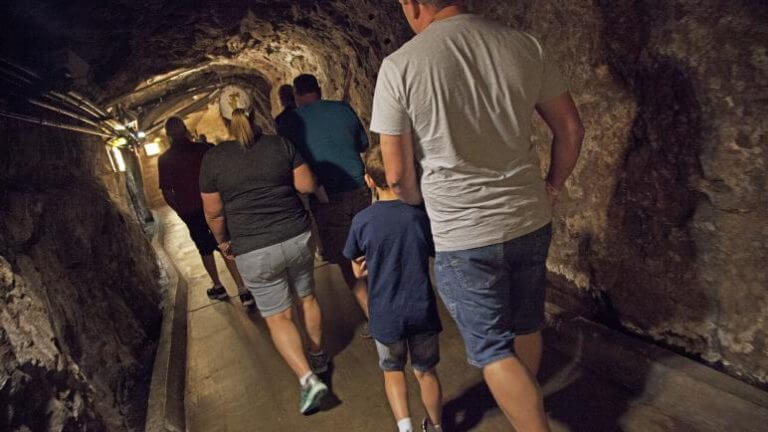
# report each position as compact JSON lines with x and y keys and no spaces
{"x":431,"y":395}
{"x":392,"y":358}
{"x":397,"y":394}
{"x":425,"y":355}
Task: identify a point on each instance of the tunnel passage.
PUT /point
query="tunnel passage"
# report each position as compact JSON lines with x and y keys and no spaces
{"x":661,"y":232}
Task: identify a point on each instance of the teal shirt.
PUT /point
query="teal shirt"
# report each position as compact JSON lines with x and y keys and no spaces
{"x":330,"y":137}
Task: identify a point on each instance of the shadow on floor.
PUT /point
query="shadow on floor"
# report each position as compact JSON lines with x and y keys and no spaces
{"x":571,"y":397}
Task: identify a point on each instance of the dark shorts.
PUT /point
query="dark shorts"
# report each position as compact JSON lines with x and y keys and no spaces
{"x":335,"y":219}
{"x":424,"y":350}
{"x":200,"y":233}
{"x":495,"y":293}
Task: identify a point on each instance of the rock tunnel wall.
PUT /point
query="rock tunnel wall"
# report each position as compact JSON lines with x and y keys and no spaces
{"x":79,"y":299}
{"x":663,"y":230}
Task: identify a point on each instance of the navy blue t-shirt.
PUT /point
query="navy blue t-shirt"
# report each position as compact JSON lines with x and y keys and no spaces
{"x":396,"y":241}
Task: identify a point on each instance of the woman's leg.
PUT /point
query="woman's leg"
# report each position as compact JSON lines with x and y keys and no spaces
{"x":301,"y":277}
{"x":287,"y":340}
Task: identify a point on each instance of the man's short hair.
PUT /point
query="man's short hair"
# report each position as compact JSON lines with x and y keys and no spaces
{"x":374,"y":167}
{"x":175,"y":128}
{"x":285,"y":93}
{"x":305,"y":84}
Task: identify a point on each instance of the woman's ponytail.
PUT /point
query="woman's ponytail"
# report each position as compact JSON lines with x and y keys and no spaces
{"x":243,"y":130}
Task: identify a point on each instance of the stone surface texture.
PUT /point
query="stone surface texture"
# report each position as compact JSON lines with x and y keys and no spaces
{"x":662,"y":229}
{"x":79,"y":301}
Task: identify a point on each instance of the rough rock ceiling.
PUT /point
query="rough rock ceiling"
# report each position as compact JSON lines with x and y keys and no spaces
{"x":131,"y":45}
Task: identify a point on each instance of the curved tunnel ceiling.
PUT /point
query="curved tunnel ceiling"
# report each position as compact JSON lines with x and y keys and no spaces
{"x":147,"y":55}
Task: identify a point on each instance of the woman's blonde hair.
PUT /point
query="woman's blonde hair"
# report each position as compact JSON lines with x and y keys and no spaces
{"x":243,"y":129}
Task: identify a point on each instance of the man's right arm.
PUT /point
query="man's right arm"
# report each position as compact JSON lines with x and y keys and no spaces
{"x":562,"y":117}
{"x":400,"y":168}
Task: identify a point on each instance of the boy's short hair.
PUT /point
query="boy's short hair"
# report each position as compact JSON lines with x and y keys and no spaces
{"x":374,"y":167}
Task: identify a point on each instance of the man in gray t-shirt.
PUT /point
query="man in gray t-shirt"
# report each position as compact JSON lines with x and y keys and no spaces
{"x":459,"y":99}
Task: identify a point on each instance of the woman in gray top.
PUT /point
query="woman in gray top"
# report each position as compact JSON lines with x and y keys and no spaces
{"x":250,"y":188}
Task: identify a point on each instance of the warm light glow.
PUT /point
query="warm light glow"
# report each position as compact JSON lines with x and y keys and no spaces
{"x":152,"y":148}
{"x":141,"y":134}
{"x":119,"y":127}
{"x":119,"y":141}
{"x":117,"y":159}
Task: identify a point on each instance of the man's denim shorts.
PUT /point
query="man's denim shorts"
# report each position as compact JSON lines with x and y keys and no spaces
{"x":423,"y":348}
{"x":495,"y":293}
{"x":277,"y":273}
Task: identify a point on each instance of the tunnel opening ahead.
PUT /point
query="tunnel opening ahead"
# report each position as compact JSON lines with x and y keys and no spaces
{"x":659,"y":232}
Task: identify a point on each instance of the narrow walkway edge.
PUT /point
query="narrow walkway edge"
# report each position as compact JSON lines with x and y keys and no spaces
{"x":165,"y":410}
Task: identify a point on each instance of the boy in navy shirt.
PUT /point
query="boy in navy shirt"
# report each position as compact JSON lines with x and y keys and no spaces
{"x":391,"y":243}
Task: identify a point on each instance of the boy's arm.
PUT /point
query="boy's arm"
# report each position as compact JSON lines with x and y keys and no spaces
{"x":354,"y":253}
{"x":360,"y":268}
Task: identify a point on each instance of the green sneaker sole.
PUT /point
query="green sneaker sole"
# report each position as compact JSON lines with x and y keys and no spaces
{"x":313,"y":399}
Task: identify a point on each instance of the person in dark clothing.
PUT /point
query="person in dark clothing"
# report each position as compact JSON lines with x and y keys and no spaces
{"x":179,"y":172}
{"x":287,"y":101}
{"x":250,"y":186}
{"x":332,"y":139}
{"x":390,"y":243}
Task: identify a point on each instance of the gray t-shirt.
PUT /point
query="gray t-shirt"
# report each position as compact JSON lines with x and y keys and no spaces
{"x":467,"y":88}
{"x":261,"y":205}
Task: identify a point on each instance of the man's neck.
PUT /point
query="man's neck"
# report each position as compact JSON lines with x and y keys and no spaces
{"x":449,"y":12}
{"x":309,"y":100}
{"x":179,"y":142}
{"x":386,"y":194}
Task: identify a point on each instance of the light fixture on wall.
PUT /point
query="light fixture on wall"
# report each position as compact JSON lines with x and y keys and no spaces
{"x":152,"y":148}
{"x":117,"y":154}
{"x":115,"y":158}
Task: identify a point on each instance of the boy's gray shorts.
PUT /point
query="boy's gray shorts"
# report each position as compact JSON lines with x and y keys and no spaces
{"x":424,"y":350}
{"x":272,"y":274}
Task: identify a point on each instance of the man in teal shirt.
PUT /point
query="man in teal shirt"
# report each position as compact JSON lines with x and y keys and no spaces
{"x":332,"y":140}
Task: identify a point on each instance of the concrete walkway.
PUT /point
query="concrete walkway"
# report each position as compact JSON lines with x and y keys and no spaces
{"x":237,"y":382}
